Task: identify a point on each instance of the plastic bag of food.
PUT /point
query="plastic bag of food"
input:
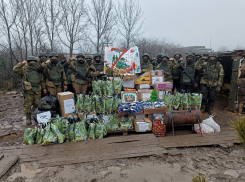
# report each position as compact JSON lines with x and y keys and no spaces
{"x":196,"y":99}
{"x":71,"y":132}
{"x":205,"y":128}
{"x":80,"y":133}
{"x":91,"y":131}
{"x":29,"y":136}
{"x":185,"y":101}
{"x":103,"y":111}
{"x":126,"y":124}
{"x":79,"y":104}
{"x":93,"y":102}
{"x":168,"y":99}
{"x":112,"y":123}
{"x":98,"y":103}
{"x":108,"y":104}
{"x":97,"y":87}
{"x":48,"y":103}
{"x":116,"y":102}
{"x":100,"y":130}
{"x":109,"y":88}
{"x":103,"y":88}
{"x":117,"y":84}
{"x":59,"y":135}
{"x":210,"y":122}
{"x":49,"y":136}
{"x":87,"y":106}
{"x":176,"y":101}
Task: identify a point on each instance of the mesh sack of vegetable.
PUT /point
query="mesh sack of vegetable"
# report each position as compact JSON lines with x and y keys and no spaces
{"x":116,"y":102}
{"x":59,"y":135}
{"x":176,"y":101}
{"x":100,"y":130}
{"x":49,"y":103}
{"x":80,"y":132}
{"x":126,"y":124}
{"x":112,"y":123}
{"x":79,"y":104}
{"x":91,"y":131}
{"x":108,"y":104}
{"x":29,"y":136}
{"x":103,"y":100}
{"x":117,"y":84}
{"x":103,"y":88}
{"x":97,"y":87}
{"x":159,"y":128}
{"x":62,"y":124}
{"x":196,"y":99}
{"x":93,"y":103}
{"x":49,"y":136}
{"x":109,"y":88}
{"x":87,"y":106}
{"x":168,"y":99}
{"x":185,"y":101}
{"x":98,"y":103}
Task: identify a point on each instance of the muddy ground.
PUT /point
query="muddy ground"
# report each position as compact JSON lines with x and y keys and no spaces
{"x":217,"y":163}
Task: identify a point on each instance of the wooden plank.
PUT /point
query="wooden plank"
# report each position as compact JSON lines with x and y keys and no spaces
{"x":6,"y":163}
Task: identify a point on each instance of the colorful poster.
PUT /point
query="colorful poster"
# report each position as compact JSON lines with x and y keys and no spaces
{"x":126,"y":59}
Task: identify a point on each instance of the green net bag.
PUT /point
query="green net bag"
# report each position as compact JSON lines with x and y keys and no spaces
{"x":29,"y":136}
{"x":109,"y":88}
{"x":185,"y":101}
{"x":196,"y":99}
{"x":168,"y":100}
{"x":108,"y":104}
{"x":49,"y":136}
{"x":79,"y":104}
{"x":60,"y":136}
{"x":87,"y":105}
{"x":126,"y":124}
{"x":116,"y":102}
{"x":100,"y":130}
{"x":117,"y":84}
{"x":80,"y":132}
{"x":91,"y":131}
{"x":112,"y":123}
{"x":97,"y":87}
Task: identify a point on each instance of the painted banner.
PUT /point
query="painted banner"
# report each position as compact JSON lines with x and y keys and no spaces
{"x":126,"y":59}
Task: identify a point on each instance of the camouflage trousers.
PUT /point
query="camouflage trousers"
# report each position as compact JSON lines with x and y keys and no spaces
{"x":80,"y":88}
{"x":208,"y":95}
{"x":31,"y":99}
{"x":54,"y":90}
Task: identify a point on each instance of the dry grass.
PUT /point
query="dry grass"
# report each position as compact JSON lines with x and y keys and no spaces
{"x":239,"y":126}
{"x":199,"y":178}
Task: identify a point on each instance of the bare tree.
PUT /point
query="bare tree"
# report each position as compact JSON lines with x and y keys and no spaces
{"x":240,"y":47}
{"x":72,"y":23}
{"x":223,"y":48}
{"x":8,"y":17}
{"x":129,"y":16}
{"x":101,"y":19}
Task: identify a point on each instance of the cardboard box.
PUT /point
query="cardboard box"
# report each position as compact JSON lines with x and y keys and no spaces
{"x":130,"y":77}
{"x":143,"y":86}
{"x":128,"y":83}
{"x":156,"y":110}
{"x":163,"y":85}
{"x":155,"y":79}
{"x":144,"y":79}
{"x":142,"y":125}
{"x":67,"y":104}
{"x":140,"y":116}
{"x":144,"y":95}
{"x":160,"y":93}
{"x":150,"y":117}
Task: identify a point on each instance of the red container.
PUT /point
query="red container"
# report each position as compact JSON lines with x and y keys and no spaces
{"x":159,"y":128}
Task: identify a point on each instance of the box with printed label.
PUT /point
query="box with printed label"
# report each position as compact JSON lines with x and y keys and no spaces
{"x":163,"y":85}
{"x":155,"y":79}
{"x":144,"y":95}
{"x":67,"y":104}
{"x":142,"y":125}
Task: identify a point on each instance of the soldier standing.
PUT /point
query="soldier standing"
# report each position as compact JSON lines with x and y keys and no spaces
{"x":69,"y":72}
{"x":211,"y":79}
{"x":98,"y":66}
{"x":145,"y":63}
{"x":55,"y":73}
{"x":33,"y":82}
{"x":187,"y":79}
{"x":157,"y":61}
{"x":88,"y":59}
{"x":42,"y":57}
{"x":167,"y":65}
{"x":176,"y":73}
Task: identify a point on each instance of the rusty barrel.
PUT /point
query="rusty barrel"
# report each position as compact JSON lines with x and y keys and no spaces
{"x":183,"y":117}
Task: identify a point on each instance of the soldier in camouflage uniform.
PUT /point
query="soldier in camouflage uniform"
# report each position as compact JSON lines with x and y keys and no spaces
{"x":167,"y":65}
{"x":211,"y":79}
{"x":54,"y":71}
{"x":157,"y":61}
{"x":188,"y":83}
{"x":98,"y":66}
{"x":69,"y":72}
{"x":32,"y":76}
{"x":145,"y":63}
{"x":89,"y":59}
{"x":80,"y":85}
{"x":198,"y":56}
{"x":176,"y":73}
{"x":42,"y":58}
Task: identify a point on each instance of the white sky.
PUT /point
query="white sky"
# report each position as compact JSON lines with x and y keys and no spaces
{"x":193,"y":22}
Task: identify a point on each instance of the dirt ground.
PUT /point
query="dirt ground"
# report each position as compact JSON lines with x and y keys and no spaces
{"x":217,"y":163}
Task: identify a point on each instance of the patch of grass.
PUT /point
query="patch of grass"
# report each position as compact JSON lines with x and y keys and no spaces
{"x":199,"y":178}
{"x":239,"y":126}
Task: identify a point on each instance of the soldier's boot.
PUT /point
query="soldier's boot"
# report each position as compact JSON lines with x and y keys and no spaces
{"x":210,"y":111}
{"x":203,"y":108}
{"x":28,"y":119}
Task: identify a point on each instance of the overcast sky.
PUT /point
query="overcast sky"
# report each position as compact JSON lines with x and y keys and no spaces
{"x":193,"y":22}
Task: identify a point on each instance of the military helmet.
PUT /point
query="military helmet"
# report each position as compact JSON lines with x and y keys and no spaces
{"x":97,"y":55}
{"x":31,"y":58}
{"x":80,"y":55}
{"x":213,"y":55}
{"x":159,"y":55}
{"x":165,"y":56}
{"x":88,"y":57}
{"x":42,"y":54}
{"x":205,"y":54}
{"x":52,"y":54}
{"x":177,"y":53}
{"x":190,"y":55}
{"x":145,"y":54}
{"x":199,"y":54}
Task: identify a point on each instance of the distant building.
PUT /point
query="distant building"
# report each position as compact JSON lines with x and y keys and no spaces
{"x":195,"y":49}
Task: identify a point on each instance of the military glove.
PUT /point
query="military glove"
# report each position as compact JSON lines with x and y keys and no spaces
{"x":218,"y":89}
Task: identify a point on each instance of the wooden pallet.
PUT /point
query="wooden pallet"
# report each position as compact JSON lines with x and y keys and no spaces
{"x":125,"y":133}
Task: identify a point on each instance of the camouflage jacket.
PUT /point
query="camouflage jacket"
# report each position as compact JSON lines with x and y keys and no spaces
{"x":21,"y":69}
{"x":149,"y":67}
{"x":95,"y":73}
{"x":210,"y":75}
{"x":172,"y":64}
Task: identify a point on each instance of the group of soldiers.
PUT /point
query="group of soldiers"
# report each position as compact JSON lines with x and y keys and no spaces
{"x":46,"y":75}
{"x":199,"y":73}
{"x":42,"y":76}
